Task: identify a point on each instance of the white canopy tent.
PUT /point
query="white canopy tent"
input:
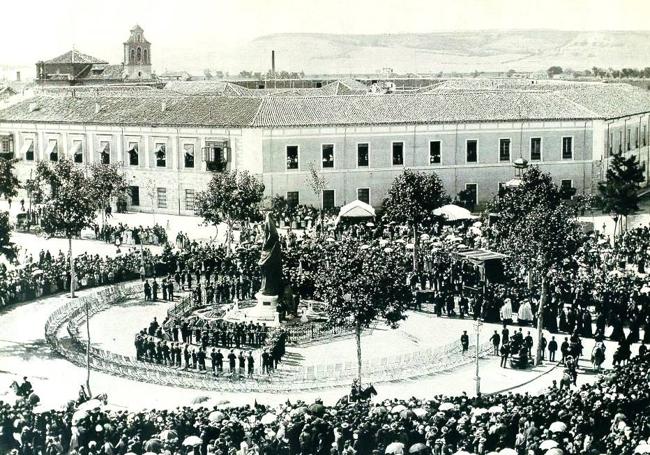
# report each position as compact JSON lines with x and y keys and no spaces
{"x":453,"y":212}
{"x":356,"y":209}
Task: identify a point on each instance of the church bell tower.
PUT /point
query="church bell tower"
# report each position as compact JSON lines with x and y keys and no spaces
{"x":137,"y":55}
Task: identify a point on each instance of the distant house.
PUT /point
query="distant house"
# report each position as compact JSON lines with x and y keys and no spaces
{"x":175,"y":76}
{"x":6,"y":93}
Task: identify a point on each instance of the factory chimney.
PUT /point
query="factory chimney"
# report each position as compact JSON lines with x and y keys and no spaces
{"x":273,"y":64}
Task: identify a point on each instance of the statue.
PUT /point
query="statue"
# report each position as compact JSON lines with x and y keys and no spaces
{"x":270,"y":261}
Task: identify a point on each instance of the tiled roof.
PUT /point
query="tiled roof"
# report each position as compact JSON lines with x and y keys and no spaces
{"x":105,"y":72}
{"x":136,"y":110}
{"x":459,"y":106}
{"x":277,"y":109}
{"x":74,"y":56}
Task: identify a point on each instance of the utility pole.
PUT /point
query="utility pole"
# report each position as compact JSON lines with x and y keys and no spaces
{"x":477,"y":378}
{"x":87,"y":348}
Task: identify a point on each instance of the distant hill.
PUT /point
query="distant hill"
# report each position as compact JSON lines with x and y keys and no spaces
{"x":529,"y":50}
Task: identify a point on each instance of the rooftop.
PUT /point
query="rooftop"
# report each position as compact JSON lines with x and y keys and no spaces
{"x":74,"y":56}
{"x":231,"y":105}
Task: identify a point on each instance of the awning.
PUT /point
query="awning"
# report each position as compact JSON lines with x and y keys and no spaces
{"x":356,"y":209}
{"x":480,"y":255}
{"x":76,"y":148}
{"x":51,"y":146}
{"x":453,"y":212}
{"x":28,"y":144}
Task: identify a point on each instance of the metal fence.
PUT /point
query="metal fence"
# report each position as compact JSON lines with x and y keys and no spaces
{"x":72,"y":315}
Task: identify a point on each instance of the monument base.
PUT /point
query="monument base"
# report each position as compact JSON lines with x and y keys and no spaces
{"x":265,"y":312}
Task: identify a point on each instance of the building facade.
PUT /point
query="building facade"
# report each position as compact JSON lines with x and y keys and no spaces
{"x":169,"y":145}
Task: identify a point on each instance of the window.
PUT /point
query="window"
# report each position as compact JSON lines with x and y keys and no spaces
{"x":77,"y":151}
{"x":434,"y":152}
{"x":189,"y":156}
{"x":139,"y":55}
{"x":133,"y":153}
{"x":472,"y":194}
{"x":53,"y":150}
{"x":293,"y":198}
{"x":132,"y":56}
{"x":502,"y":189}
{"x":363,"y":194}
{"x":146,"y":56}
{"x":135,"y":195}
{"x":328,"y":155}
{"x":216,"y":155}
{"x":566,"y":189}
{"x":398,"y":153}
{"x":189,"y":200}
{"x":161,"y":155}
{"x":504,"y":149}
{"x":28,"y":148}
{"x":7,"y":146}
{"x":362,"y":155}
{"x":620,"y":142}
{"x":292,"y":157}
{"x":105,"y":151}
{"x":471,"y":151}
{"x":161,"y":196}
{"x":328,"y":199}
{"x":628,"y":137}
{"x":567,"y":148}
{"x":535,"y":149}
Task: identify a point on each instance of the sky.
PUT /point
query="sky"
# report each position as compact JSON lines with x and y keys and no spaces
{"x":34,"y":30}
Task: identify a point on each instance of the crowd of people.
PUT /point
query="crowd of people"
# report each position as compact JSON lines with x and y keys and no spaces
{"x":186,"y":344}
{"x":610,"y":416}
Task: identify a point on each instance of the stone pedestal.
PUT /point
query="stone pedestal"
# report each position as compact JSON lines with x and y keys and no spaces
{"x":266,"y":309}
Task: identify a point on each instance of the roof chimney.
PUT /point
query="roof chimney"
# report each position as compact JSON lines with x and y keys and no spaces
{"x":33,"y":107}
{"x":97,"y":108}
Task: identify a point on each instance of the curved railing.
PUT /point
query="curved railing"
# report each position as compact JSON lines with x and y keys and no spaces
{"x":72,"y":316}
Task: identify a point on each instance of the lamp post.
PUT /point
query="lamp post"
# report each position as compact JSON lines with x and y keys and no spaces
{"x":477,"y":377}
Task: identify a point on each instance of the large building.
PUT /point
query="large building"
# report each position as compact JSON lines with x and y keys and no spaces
{"x":469,"y":133}
{"x":76,"y":68}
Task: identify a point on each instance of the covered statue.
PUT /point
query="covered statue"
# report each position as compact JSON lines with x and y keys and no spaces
{"x":271,"y":260}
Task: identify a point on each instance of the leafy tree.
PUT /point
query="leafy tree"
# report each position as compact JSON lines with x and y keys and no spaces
{"x":412,"y":198}
{"x":362,"y":284}
{"x":207,"y":74}
{"x":619,"y":191}
{"x":231,"y":196}
{"x":554,"y":70}
{"x":537,"y":228}
{"x":36,"y":185}
{"x":9,"y":183}
{"x":7,"y":247}
{"x":317,"y":182}
{"x":465,"y":198}
{"x":70,"y":207}
{"x":107,"y":181}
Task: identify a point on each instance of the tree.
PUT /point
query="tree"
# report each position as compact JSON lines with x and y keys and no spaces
{"x":538,"y":230}
{"x":231,"y":196}
{"x":9,"y":183}
{"x":7,"y":247}
{"x":412,"y":198}
{"x":70,"y":207}
{"x":107,"y":181}
{"x":317,"y":183}
{"x":362,"y":284}
{"x":553,"y":71}
{"x":207,"y":74}
{"x":619,"y":192}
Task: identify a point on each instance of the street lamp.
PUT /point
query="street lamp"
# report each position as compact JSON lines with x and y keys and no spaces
{"x":477,"y":377}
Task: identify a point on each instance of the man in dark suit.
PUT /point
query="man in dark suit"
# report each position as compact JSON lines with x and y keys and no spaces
{"x":505,"y":352}
{"x":496,"y":341}
{"x":232,"y":359}
{"x":552,"y":347}
{"x":464,"y":341}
